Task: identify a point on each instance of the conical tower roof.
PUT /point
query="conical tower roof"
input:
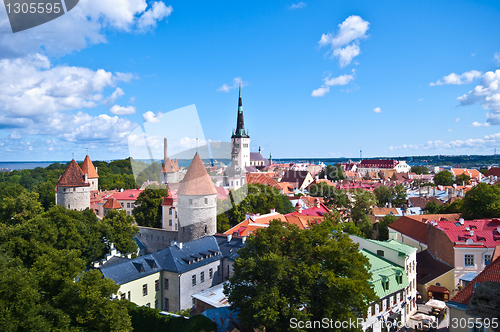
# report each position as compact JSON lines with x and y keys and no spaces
{"x":72,"y":177}
{"x":240,"y":123}
{"x":197,"y":181}
{"x":112,"y":203}
{"x":89,"y":169}
{"x":168,"y":168}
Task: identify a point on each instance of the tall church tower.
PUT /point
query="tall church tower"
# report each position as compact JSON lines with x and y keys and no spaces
{"x":240,"y":141}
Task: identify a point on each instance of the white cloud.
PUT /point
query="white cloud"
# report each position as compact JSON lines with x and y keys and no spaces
{"x":14,"y":136}
{"x":421,"y":99}
{"x":114,"y":96}
{"x":487,"y":94}
{"x":453,"y":78}
{"x":450,"y":130}
{"x":298,"y":5}
{"x":457,"y":119}
{"x":345,"y":44}
{"x":477,"y":124}
{"x":377,"y":110}
{"x":31,"y":88}
{"x":122,"y":110}
{"x":151,"y":117}
{"x":236,"y":82}
{"x":485,"y":142}
{"x":82,"y":26}
{"x":132,"y":99}
{"x":496,"y":56}
{"x":320,"y":92}
{"x":153,"y":15}
{"x":331,"y":81}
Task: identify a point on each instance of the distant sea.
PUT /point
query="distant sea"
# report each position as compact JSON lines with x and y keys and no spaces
{"x":20,"y":165}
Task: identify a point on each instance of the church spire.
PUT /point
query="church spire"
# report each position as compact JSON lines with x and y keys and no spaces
{"x":240,"y":124}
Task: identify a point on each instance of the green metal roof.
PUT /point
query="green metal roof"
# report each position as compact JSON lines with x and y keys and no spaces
{"x":396,"y":245}
{"x":383,"y":270}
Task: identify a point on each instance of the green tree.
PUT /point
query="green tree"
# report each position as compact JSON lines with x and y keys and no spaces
{"x":432,"y":208}
{"x":383,"y":231}
{"x":17,"y":209}
{"x":365,"y":200}
{"x":444,"y":178}
{"x":482,"y":201}
{"x":119,"y":229}
{"x":384,"y":195}
{"x":333,"y":173}
{"x":419,"y":169}
{"x":147,"y":211}
{"x":283,"y":270}
{"x":46,"y":194}
{"x":462,"y":178}
{"x":399,"y":195}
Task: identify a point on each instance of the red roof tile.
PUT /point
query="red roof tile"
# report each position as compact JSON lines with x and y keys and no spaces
{"x":411,"y":227}
{"x":112,"y":204}
{"x":127,"y":195}
{"x":72,"y":176}
{"x":262,"y":178}
{"x":490,"y":273}
{"x":88,"y":168}
{"x":167,"y":168}
{"x":197,"y":181}
{"x":485,"y":232}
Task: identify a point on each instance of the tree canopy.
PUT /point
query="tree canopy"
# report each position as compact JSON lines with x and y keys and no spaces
{"x":333,"y":173}
{"x":482,"y":201}
{"x":284,"y":272}
{"x":419,"y":169}
{"x":395,"y":195}
{"x":444,"y":178}
{"x":147,"y":210}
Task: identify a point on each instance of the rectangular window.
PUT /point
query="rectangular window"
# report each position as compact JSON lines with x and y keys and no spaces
{"x":128,"y":295}
{"x":469,"y":260}
{"x":190,"y":201}
{"x":211,"y":273}
{"x":121,"y":204}
{"x":165,"y":283}
{"x":202,"y":277}
{"x":170,"y":211}
{"x":380,"y":253}
{"x":156,"y":304}
{"x":144,"y":289}
{"x":206,"y":200}
{"x":193,"y":301}
{"x":487,"y":259}
{"x":218,"y":270}
{"x":128,"y":205}
{"x":166,"y":306}
{"x":123,"y":297}
{"x":157,"y":285}
{"x":193,"y":280}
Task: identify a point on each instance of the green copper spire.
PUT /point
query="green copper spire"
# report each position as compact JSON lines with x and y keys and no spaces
{"x":240,"y":124}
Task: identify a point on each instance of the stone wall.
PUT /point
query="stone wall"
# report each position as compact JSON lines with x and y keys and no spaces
{"x":73,"y":198}
{"x":156,"y":239}
{"x":197,"y":216}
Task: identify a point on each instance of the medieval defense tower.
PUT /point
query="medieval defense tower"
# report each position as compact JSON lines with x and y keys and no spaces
{"x":196,"y":203}
{"x":73,"y":188}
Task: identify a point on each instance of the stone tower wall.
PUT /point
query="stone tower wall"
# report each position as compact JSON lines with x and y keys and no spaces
{"x":74,"y":198}
{"x":196,"y":214}
{"x":94,"y":184}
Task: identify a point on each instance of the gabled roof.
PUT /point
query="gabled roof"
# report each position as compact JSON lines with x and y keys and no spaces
{"x":127,"y":195}
{"x":112,"y":204}
{"x":495,"y":171}
{"x":411,"y":227}
{"x":293,"y":176}
{"x":89,"y":169}
{"x":175,"y":165}
{"x":422,"y":202}
{"x":262,"y":178}
{"x":197,"y":181}
{"x":378,"y":163}
{"x":485,"y":232}
{"x":490,"y":273}
{"x":72,"y":176}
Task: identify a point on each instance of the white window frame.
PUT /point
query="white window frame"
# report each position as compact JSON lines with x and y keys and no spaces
{"x":468,"y":257}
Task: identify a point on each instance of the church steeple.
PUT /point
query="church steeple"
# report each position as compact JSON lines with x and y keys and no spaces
{"x":240,"y":124}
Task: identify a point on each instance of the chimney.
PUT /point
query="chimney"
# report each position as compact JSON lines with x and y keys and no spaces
{"x":86,"y":177}
{"x":461,"y":221}
{"x":273,"y":210}
{"x":471,"y":232}
{"x":111,"y":245}
{"x":129,"y":256}
{"x":229,"y":237}
{"x":165,"y":154}
{"x":420,"y":192}
{"x":96,"y":264}
{"x":435,"y":190}
{"x":179,"y":245}
{"x":96,"y":169}
{"x":112,"y":252}
{"x":243,"y":239}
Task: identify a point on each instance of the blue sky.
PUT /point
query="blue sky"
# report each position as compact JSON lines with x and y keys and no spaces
{"x":320,"y":79}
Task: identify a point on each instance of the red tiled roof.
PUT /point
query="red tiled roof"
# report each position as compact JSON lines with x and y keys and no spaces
{"x":313,"y":211}
{"x":72,"y":176}
{"x":127,"y":195}
{"x":495,"y":171}
{"x":89,"y":169}
{"x":411,"y":227}
{"x":485,"y":232}
{"x":112,"y":204}
{"x":262,"y":178}
{"x":378,"y":163}
{"x":197,"y":181}
{"x":490,"y":273}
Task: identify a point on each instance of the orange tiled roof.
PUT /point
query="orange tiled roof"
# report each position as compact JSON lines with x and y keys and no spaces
{"x":197,"y":181}
{"x":384,"y":211}
{"x":167,"y":168}
{"x":89,"y":169}
{"x":262,"y":178}
{"x":287,"y":188}
{"x":72,"y":176}
{"x":473,"y":173}
{"x":112,"y":204}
